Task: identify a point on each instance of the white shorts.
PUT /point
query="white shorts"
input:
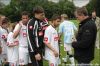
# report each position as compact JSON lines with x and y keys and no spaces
{"x":12,"y":53}
{"x":54,"y":61}
{"x":24,"y":56}
{"x":67,"y":47}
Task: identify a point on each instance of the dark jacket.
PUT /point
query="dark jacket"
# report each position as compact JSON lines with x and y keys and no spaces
{"x":85,"y":45}
{"x":35,"y":32}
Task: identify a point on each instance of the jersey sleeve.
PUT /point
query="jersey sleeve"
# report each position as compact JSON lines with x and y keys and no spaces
{"x":60,"y":28}
{"x":47,"y":36}
{"x":75,"y":28}
{"x":10,"y":39}
{"x":16,"y":27}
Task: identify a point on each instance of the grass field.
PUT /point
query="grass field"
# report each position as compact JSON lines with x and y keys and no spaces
{"x":95,"y":62}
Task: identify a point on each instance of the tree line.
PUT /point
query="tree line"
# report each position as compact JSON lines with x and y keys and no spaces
{"x":14,"y":9}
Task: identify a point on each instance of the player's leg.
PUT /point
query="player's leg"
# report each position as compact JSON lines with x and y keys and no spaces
{"x":23,"y":56}
{"x":70,"y":54}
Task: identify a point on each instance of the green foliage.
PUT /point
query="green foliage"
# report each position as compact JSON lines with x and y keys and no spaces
{"x":15,"y":7}
{"x":91,"y":6}
{"x":98,"y":7}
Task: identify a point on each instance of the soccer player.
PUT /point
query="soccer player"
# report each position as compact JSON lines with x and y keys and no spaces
{"x":68,"y":29}
{"x":20,"y":32}
{"x":4,"y":33}
{"x":51,"y":41}
{"x":12,"y":49}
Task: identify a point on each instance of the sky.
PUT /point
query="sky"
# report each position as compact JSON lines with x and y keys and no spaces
{"x":6,"y":2}
{"x":77,"y":3}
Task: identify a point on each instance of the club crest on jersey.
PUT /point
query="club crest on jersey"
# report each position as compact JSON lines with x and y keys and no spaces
{"x":45,"y":39}
{"x":3,"y":36}
{"x":30,"y":27}
{"x":24,"y":34}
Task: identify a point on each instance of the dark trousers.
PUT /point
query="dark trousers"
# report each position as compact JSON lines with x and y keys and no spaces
{"x":34,"y":61}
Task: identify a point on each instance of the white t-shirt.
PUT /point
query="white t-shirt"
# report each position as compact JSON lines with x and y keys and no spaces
{"x":68,"y":29}
{"x":12,"y":52}
{"x":51,"y":36}
{"x":22,"y":37}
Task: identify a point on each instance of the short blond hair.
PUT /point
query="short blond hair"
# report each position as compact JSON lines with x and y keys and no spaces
{"x":65,"y":16}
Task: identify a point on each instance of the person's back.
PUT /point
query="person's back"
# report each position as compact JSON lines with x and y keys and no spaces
{"x":68,"y":29}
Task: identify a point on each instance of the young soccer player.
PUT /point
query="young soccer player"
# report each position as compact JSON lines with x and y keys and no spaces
{"x":4,"y":33}
{"x":68,"y":29}
{"x":12,"y":48}
{"x":20,"y":31}
{"x":51,"y":42}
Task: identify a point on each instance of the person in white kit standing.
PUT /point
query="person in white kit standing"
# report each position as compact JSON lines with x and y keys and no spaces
{"x":12,"y":48}
{"x":4,"y":33}
{"x":20,"y":31}
{"x":68,"y":29}
{"x":51,"y":41}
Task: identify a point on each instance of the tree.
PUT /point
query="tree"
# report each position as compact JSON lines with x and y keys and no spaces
{"x":98,"y":7}
{"x":91,"y":6}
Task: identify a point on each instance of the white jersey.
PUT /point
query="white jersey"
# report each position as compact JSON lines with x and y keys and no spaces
{"x":51,"y":36}
{"x":3,"y":36}
{"x":22,"y":37}
{"x":12,"y":52}
{"x":68,"y":29}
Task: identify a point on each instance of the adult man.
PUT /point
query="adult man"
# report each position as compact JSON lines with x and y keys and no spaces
{"x":35,"y":36}
{"x":97,"y":22}
{"x":85,"y":40}
{"x":21,"y":33}
{"x":51,"y":41}
{"x":68,"y":29}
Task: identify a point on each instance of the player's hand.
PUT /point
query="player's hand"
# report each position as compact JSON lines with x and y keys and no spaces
{"x":55,"y":53}
{"x":20,"y":24}
{"x":74,"y":39}
{"x":38,"y":56}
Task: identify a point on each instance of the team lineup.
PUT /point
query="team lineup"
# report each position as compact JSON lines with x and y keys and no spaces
{"x":32,"y":40}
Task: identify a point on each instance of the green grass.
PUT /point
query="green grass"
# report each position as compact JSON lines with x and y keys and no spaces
{"x":95,"y":62}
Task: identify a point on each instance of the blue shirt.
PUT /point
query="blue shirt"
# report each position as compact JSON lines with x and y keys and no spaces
{"x":68,"y":29}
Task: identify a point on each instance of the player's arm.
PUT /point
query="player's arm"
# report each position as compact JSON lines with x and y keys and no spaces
{"x":17,"y":30}
{"x":47,"y":41}
{"x":60,"y":32}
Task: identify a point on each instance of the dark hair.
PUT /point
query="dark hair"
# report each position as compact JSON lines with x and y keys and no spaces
{"x":5,"y":20}
{"x":55,"y":16}
{"x":25,"y":13}
{"x":82,"y":11}
{"x":38,"y":9}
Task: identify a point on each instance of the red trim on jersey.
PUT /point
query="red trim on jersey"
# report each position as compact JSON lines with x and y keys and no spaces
{"x":46,"y":40}
{"x":12,"y":64}
{"x":16,"y":42}
{"x":24,"y":34}
{"x":3,"y":36}
{"x":51,"y":64}
{"x":56,"y":38}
